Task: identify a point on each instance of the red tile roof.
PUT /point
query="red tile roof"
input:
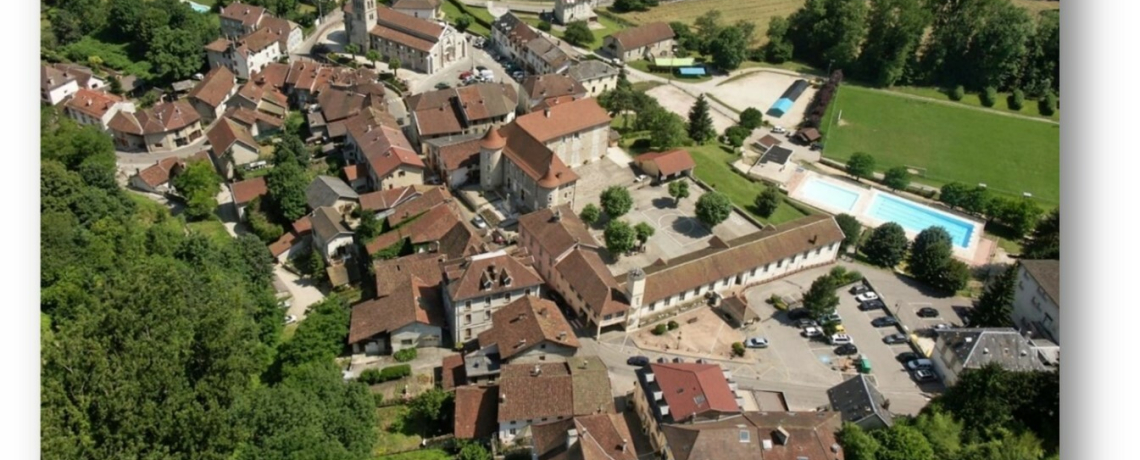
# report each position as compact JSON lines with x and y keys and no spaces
{"x":248,"y":15}
{"x":556,"y":229}
{"x":407,"y":291}
{"x":162,"y":118}
{"x":402,"y":38}
{"x":273,"y":75}
{"x":587,"y":275}
{"x":600,"y":437}
{"x":525,"y":395}
{"x":427,"y":200}
{"x":92,"y":103}
{"x":246,"y":190}
{"x":535,"y":159}
{"x":465,"y":278}
{"x":284,"y":243}
{"x":303,"y":225}
{"x":476,"y":411}
{"x":453,"y":372}
{"x":524,"y":324}
{"x":810,"y":435}
{"x":461,"y":154}
{"x":671,"y":162}
{"x":215,"y":87}
{"x":225,"y":133}
{"x":694,"y":389}
{"x":159,"y":173}
{"x":421,"y":28}
{"x":382,"y":200}
{"x":540,"y":87}
{"x":564,"y":119}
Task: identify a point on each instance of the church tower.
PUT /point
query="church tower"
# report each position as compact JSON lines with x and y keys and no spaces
{"x":359,"y":22}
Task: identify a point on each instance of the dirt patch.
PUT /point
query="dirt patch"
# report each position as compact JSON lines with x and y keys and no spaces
{"x":700,"y":332}
{"x":761,"y":89}
{"x":679,"y":102}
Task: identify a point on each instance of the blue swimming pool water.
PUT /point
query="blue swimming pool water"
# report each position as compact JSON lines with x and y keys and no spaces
{"x":916,"y":217}
{"x":199,"y":7}
{"x":829,"y":194}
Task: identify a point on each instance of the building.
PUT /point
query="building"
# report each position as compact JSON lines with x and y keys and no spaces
{"x":423,"y":9}
{"x":95,"y":108}
{"x":752,"y":259}
{"x":406,"y":313}
{"x":537,"y":89}
{"x":156,"y":178}
{"x":590,"y":437}
{"x":84,"y":76}
{"x":329,"y":191}
{"x":1037,"y":299}
{"x":643,"y":42}
{"x":544,"y":55}
{"x":454,"y":159}
{"x":682,"y":393}
{"x":594,"y":75}
{"x":663,"y":166}
{"x":244,"y":192}
{"x":567,"y":11}
{"x":527,"y":330}
{"x":861,"y":403}
{"x":476,"y":410}
{"x":471,"y":109}
{"x":420,"y":45}
{"x":306,"y":80}
{"x":957,"y":350}
{"x":531,"y":158}
{"x":759,"y":435}
{"x":433,"y":230}
{"x":330,"y":236}
{"x":56,"y":85}
{"x":382,"y":200}
{"x":240,"y":19}
{"x":532,"y":394}
{"x":510,"y":35}
{"x":209,"y":96}
{"x":387,"y":156}
{"x":231,"y":146}
{"x":164,"y":127}
{"x":565,"y":255}
{"x":259,"y":124}
{"x":265,"y":100}
{"x":247,"y":55}
{"x":477,"y":286}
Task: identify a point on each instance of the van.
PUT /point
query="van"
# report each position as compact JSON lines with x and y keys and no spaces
{"x":256,"y":165}
{"x":840,"y":339}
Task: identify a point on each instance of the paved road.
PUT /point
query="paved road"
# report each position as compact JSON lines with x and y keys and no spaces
{"x":331,"y":21}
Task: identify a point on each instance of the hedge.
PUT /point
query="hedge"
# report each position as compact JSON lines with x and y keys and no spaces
{"x":405,"y":355}
{"x":374,"y":376}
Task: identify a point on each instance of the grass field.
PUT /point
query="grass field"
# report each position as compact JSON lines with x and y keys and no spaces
{"x":1010,"y":155}
{"x":758,"y":12}
{"x":392,"y":440}
{"x":423,"y":454}
{"x":974,"y":100}
{"x":212,"y":228}
{"x":451,"y":12}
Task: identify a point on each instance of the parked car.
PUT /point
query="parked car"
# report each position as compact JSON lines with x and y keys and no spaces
{"x":921,"y":363}
{"x":806,"y":322}
{"x":846,"y":349}
{"x":872,"y":305}
{"x":466,"y":74}
{"x":940,"y":327}
{"x":908,"y":356}
{"x":867,"y":296}
{"x":637,"y":360}
{"x":290,"y":319}
{"x":894,"y":339}
{"x":925,"y":375}
{"x":478,"y":222}
{"x":662,"y":360}
{"x":442,"y":85}
{"x":858,"y":289}
{"x":779,"y":130}
{"x":756,"y":342}
{"x":839,"y":339}
{"x":927,"y":312}
{"x":798,"y":313}
{"x":884,"y":321}
{"x":480,"y":68}
{"x":831,"y":318}
{"x":812,"y":331}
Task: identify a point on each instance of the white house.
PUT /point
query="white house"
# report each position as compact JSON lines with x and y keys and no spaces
{"x":330,"y":236}
{"x":1037,"y":298}
{"x":56,"y":85}
{"x":95,"y":108}
{"x":406,"y":312}
{"x":476,"y":287}
{"x":247,"y":55}
{"x":567,"y":11}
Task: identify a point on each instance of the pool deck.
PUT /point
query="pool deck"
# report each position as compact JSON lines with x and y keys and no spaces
{"x":977,"y":251}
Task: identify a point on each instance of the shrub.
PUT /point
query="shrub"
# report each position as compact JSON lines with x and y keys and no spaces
{"x":673,"y":325}
{"x":1047,"y":105}
{"x":957,"y":93}
{"x":737,"y":348}
{"x":988,"y":96}
{"x":370,"y":377}
{"x":378,"y":398}
{"x":774,"y":299}
{"x":544,"y":26}
{"x":1016,"y":100}
{"x":660,"y":329}
{"x":405,"y":355}
{"x":390,"y":373}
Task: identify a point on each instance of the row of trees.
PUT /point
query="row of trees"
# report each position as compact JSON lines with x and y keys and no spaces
{"x":930,"y":257}
{"x":975,"y":43}
{"x":160,"y":342}
{"x":861,"y":165}
{"x":1019,"y":215}
{"x":666,"y":129}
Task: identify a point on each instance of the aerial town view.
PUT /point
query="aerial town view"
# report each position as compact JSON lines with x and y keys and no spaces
{"x":550,"y":229}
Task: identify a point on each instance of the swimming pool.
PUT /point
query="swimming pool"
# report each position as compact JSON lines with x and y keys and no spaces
{"x":199,"y":7}
{"x":916,"y":217}
{"x":830,"y":195}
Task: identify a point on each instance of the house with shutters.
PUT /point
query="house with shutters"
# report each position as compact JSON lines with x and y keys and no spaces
{"x":240,"y":19}
{"x":209,"y":96}
{"x":95,"y":108}
{"x":477,"y":286}
{"x":387,"y":159}
{"x":247,"y":55}
{"x":406,"y":312}
{"x":162,"y":128}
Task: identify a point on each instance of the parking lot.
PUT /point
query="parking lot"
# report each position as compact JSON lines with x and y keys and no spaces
{"x":450,"y":76}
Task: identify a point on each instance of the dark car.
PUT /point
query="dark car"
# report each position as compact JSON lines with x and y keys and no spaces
{"x":894,"y":338}
{"x":924,"y":375}
{"x":884,"y":321}
{"x":480,"y":68}
{"x":798,"y":313}
{"x":907,"y":356}
{"x":662,"y":360}
{"x":859,"y":289}
{"x":637,"y":361}
{"x":872,"y":305}
{"x":846,"y":349}
{"x":927,"y":312}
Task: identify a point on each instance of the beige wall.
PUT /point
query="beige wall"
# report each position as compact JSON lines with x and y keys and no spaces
{"x":416,"y":335}
{"x":599,"y":85}
{"x":469,"y":317}
{"x":1031,"y":304}
{"x":403,"y":176}
{"x":582,"y":147}
{"x":544,"y":352}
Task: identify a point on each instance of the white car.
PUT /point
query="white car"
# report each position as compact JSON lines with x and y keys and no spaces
{"x":812,"y":331}
{"x":290,"y":319}
{"x":756,"y":342}
{"x":921,"y":363}
{"x":867,"y":296}
{"x":779,"y":130}
{"x":639,"y":178}
{"x":479,"y":223}
{"x":840,"y":339}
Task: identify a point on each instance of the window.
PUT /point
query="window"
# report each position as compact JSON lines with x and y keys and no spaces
{"x":508,"y":296}
{"x":621,"y":314}
{"x":468,"y":304}
{"x":467,"y":319}
{"x":766,"y":267}
{"x":487,"y":315}
{"x":653,"y":306}
{"x":779,"y":264}
{"x":512,"y":431}
{"x":527,"y":291}
{"x":608,"y":317}
{"x":818,"y":250}
{"x":745,"y":436}
{"x":467,"y":333}
{"x":543,"y":346}
{"x":406,"y":342}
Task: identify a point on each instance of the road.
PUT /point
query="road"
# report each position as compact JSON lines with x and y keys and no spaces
{"x":331,"y":20}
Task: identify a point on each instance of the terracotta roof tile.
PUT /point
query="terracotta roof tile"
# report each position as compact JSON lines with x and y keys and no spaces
{"x":460,"y":154}
{"x":303,"y":225}
{"x":556,"y":229}
{"x":671,"y":162}
{"x":215,"y":87}
{"x":525,"y":395}
{"x":564,"y":119}
{"x":453,"y":373}
{"x":535,"y":159}
{"x":51,"y":77}
{"x":396,"y":36}
{"x":92,"y":103}
{"x":424,"y":29}
{"x":427,"y":200}
{"x":587,"y":275}
{"x":159,"y":173}
{"x":600,"y":437}
{"x":272,"y":75}
{"x":407,"y":291}
{"x":225,"y":133}
{"x":524,"y":324}
{"x":382,"y":200}
{"x":504,"y":272}
{"x":590,"y":378}
{"x":810,"y":435}
{"x":248,"y":15}
{"x":284,"y":243}
{"x":693,"y":389}
{"x":647,"y":34}
{"x":476,"y":411}
{"x":246,"y":190}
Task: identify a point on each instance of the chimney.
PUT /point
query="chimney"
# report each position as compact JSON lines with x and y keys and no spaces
{"x":624,"y":444}
{"x":571,"y":437}
{"x":886,"y":404}
{"x":502,"y":398}
{"x":547,"y":112}
{"x":537,"y":371}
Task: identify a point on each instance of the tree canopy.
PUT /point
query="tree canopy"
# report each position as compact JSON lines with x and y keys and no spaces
{"x":679,"y":190}
{"x":821,"y":298}
{"x":767,"y":202}
{"x":897,"y":178}
{"x":861,"y":165}
{"x":995,"y":306}
{"x":851,"y":227}
{"x":578,"y":33}
{"x":199,"y":184}
{"x":931,"y":261}
{"x":886,"y":246}
{"x":620,"y":237}
{"x":700,"y":126}
{"x":616,"y":201}
{"x":590,"y":214}
{"x":713,"y":208}
{"x":1045,"y":242}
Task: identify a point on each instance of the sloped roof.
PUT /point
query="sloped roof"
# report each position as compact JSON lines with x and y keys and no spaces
{"x":811,"y":435}
{"x":327,"y":223}
{"x":385,"y":147}
{"x":415,"y":4}
{"x":427,"y":200}
{"x":525,"y":323}
{"x":159,"y":173}
{"x":556,"y":229}
{"x":535,"y":159}
{"x":408,"y":24}
{"x":163,"y":117}
{"x":670,"y":162}
{"x":327,"y":190}
{"x":407,"y":292}
{"x":692,"y":389}
{"x":640,"y":36}
{"x":92,"y":103}
{"x":539,"y":87}
{"x":455,"y":155}
{"x":476,"y":411}
{"x":246,"y":190}
{"x":215,"y":87}
{"x":590,"y":380}
{"x":564,"y":119}
{"x":225,"y":133}
{"x":548,"y":51}
{"x":591,"y":69}
{"x":466,"y":278}
{"x":486,"y":100}
{"x":247,"y":14}
{"x":382,"y":200}
{"x":1047,"y":273}
{"x":526,"y":395}
{"x":857,"y":399}
{"x":976,"y":347}
{"x":52,"y":78}
{"x":588,"y":276}
{"x":600,"y":437}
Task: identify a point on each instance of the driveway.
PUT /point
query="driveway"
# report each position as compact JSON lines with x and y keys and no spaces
{"x":303,"y":292}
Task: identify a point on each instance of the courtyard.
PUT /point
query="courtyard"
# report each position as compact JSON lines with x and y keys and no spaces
{"x":761,"y":89}
{"x":700,"y":332}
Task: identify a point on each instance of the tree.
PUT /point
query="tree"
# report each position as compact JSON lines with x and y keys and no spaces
{"x":820,"y":299}
{"x":644,"y":231}
{"x":828,"y":33}
{"x":861,"y":165}
{"x":988,"y":96}
{"x":930,"y":256}
{"x":578,"y":33}
{"x":462,"y":23}
{"x":1045,"y":242}
{"x":624,"y":6}
{"x":894,"y":33}
{"x":897,"y":178}
{"x":902,"y":442}
{"x":544,"y":26}
{"x":370,"y":226}
{"x":473,"y":451}
{"x":590,"y":214}
{"x":852,"y":229}
{"x":751,"y":118}
{"x":857,"y":444}
{"x":373,"y":55}
{"x":1047,"y":105}
{"x":679,"y":190}
{"x":736,"y":135}
{"x":886,"y":246}
{"x":729,"y":48}
{"x":260,"y":225}
{"x":779,"y":48}
{"x":700,"y":126}
{"x":352,"y":49}
{"x":116,"y":86}
{"x":1020,"y":215}
{"x":431,"y":409}
{"x":198,"y":183}
{"x":957,"y":93}
{"x":667,"y":131}
{"x":1016,"y":99}
{"x":394,"y":64}
{"x":706,"y":27}
{"x":619,"y":237}
{"x":175,"y":53}
{"x":713,"y":208}
{"x":286,"y":184}
{"x":995,"y":306}
{"x":954,"y":194}
{"x":941,"y":430}
{"x":616,"y":201}
{"x":767,"y":202}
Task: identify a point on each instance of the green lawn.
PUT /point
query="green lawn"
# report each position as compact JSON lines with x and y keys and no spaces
{"x":714,"y":167}
{"x":1010,"y":155}
{"x":212,"y":228}
{"x":643,"y":65}
{"x":424,"y":454}
{"x":389,"y":438}
{"x":451,"y":12}
{"x":1029,"y":107}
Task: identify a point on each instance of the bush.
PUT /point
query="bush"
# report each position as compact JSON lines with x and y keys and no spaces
{"x":370,"y":377}
{"x":774,"y":299}
{"x":395,"y":372}
{"x":544,"y":26}
{"x":405,"y":355}
{"x":378,"y":398}
{"x":957,"y":93}
{"x":1016,"y":100}
{"x":988,"y":96}
{"x":737,"y":348}
{"x":673,"y":325}
{"x":660,"y":329}
{"x":1047,"y":105}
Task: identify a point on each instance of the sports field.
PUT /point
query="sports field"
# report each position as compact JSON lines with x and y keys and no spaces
{"x":952,"y":142}
{"x":758,"y":12}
